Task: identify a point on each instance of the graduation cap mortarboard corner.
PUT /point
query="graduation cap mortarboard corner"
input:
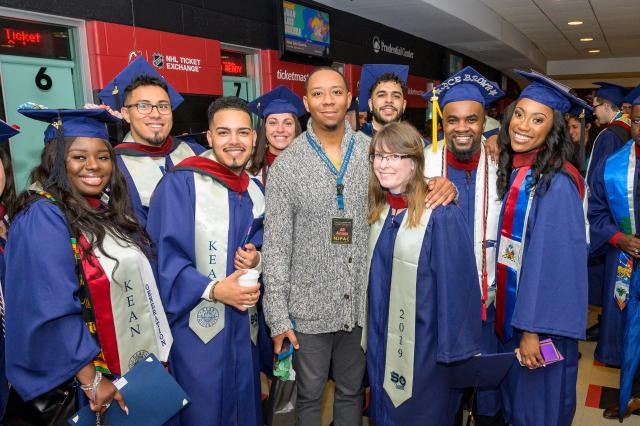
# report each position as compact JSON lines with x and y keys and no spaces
{"x":636,"y":101}
{"x":370,"y":73}
{"x":611,"y":92}
{"x":549,"y":92}
{"x":632,"y":95}
{"x":277,"y":101}
{"x":74,"y":122}
{"x":481,"y":370}
{"x":466,"y":85}
{"x":113,"y":93}
{"x":7,"y":131}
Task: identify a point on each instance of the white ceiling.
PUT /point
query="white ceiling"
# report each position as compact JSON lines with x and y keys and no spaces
{"x":510,"y":34}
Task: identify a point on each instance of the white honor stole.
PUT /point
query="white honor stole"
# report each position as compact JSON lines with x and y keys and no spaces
{"x":211,"y":244}
{"x":145,"y":172}
{"x":401,"y":327}
{"x":435,"y":166}
{"x":139,"y":319}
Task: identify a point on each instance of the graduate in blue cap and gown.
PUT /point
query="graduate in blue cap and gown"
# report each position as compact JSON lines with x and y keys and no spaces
{"x":463,"y":159}
{"x":7,"y":196}
{"x":382,"y":91}
{"x":279,"y":111}
{"x":147,"y":152}
{"x":541,"y":256}
{"x":613,"y":218}
{"x":205,"y":220}
{"x":606,"y":107}
{"x":77,"y":259}
{"x":424,"y":304}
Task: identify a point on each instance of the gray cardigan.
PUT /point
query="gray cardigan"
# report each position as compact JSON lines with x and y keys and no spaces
{"x":308,"y":279}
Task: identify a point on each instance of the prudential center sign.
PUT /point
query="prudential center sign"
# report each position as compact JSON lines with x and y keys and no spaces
{"x":379,"y":45}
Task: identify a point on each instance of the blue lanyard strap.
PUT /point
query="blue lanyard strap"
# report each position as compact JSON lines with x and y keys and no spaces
{"x":343,"y":167}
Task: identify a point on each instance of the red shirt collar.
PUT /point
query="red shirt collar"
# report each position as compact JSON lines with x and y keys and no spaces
{"x":522,"y":159}
{"x":271,"y":157}
{"x":217,"y":171}
{"x":468,"y":165}
{"x":397,"y":201}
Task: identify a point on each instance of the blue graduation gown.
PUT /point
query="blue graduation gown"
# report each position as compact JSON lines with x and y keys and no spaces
{"x":602,"y":227}
{"x":487,"y":399}
{"x":221,"y":377}
{"x":139,"y":210}
{"x":47,"y":341}
{"x":4,"y":386}
{"x":605,"y":144}
{"x":551,"y":301}
{"x":447,"y":328}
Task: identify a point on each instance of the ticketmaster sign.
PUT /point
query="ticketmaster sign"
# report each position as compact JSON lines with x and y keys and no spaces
{"x":379,"y":45}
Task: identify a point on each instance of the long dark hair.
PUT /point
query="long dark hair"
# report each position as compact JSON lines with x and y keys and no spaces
{"x":117,"y":218}
{"x":259,"y":156}
{"x":557,"y":150}
{"x":8,"y":197}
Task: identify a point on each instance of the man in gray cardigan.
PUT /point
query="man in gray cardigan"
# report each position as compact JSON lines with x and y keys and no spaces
{"x":315,"y":248}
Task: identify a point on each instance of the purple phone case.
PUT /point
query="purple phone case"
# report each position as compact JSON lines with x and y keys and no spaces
{"x":549,"y":352}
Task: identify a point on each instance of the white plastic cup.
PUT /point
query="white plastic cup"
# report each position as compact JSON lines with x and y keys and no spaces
{"x":249,"y":279}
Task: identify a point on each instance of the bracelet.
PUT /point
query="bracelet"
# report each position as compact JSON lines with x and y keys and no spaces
{"x":93,"y":386}
{"x":213,"y":287}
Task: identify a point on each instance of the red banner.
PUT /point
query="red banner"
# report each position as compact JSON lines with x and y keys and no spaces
{"x":190,"y":64}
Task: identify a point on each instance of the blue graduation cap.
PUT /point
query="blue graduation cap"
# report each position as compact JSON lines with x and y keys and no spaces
{"x":136,"y":68}
{"x":549,"y":92}
{"x":371,"y":72}
{"x":7,"y":131}
{"x":467,"y":85}
{"x":278,"y":101}
{"x":481,"y":370}
{"x":636,"y":101}
{"x":632,"y":95}
{"x":75,"y":122}
{"x":611,"y":92}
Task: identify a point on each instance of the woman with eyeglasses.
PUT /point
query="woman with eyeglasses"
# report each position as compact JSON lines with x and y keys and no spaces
{"x":422,"y":288}
{"x":541,"y":260}
{"x":82,"y":301}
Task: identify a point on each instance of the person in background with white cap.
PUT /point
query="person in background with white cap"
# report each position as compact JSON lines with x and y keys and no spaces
{"x":464,"y":160}
{"x":73,"y":253}
{"x":147,"y":152}
{"x":205,"y":220}
{"x":541,"y":256}
{"x":613,"y":218}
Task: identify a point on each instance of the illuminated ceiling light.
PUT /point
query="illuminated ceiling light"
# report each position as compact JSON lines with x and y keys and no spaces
{"x":594,"y":51}
{"x":575,"y":23}
{"x":586,"y":39}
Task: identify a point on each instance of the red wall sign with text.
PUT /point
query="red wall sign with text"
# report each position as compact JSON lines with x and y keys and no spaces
{"x":190,"y":64}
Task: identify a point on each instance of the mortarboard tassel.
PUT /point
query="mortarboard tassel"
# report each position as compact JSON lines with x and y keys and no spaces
{"x":435,"y":112}
{"x":58,"y":176}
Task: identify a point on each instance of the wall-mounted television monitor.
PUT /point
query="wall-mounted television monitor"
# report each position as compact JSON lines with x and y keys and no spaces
{"x":304,"y":30}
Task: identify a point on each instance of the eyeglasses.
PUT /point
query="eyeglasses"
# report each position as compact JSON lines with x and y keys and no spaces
{"x":597,"y":105}
{"x":391,"y":158}
{"x":146,"y":108}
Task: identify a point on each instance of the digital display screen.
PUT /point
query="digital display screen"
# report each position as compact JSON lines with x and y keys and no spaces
{"x":306,"y":30}
{"x":25,"y":38}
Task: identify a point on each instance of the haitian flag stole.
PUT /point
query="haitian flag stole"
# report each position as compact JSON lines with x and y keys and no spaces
{"x":401,"y":324}
{"x":510,"y":248}
{"x":212,"y":248}
{"x":145,"y":172}
{"x":130,"y":319}
{"x":620,"y":181}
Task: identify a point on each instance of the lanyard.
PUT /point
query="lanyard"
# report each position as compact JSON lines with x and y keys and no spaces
{"x":343,"y":167}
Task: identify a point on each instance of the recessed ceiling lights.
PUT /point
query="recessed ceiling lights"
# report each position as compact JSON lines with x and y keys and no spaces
{"x":575,"y":23}
{"x":594,"y":51}
{"x":586,"y":39}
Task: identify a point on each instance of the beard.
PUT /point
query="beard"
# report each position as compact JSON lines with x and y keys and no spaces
{"x":378,"y":118}
{"x":156,"y":140}
{"x":463,"y":154}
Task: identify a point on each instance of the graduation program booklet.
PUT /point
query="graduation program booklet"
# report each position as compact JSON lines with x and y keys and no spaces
{"x":151,"y":394}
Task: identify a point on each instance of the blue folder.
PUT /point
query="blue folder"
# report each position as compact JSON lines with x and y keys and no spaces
{"x":151,"y":395}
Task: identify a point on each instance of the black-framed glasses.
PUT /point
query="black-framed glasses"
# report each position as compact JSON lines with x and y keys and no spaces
{"x":145,"y":108}
{"x":597,"y":105}
{"x":391,"y":158}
